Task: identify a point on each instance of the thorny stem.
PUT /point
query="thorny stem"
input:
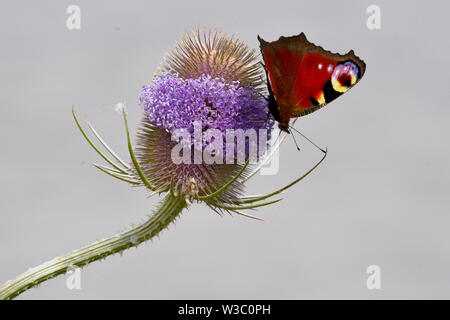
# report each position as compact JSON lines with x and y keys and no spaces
{"x":169,"y":209}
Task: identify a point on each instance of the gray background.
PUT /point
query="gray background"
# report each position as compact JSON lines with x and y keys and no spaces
{"x":380,"y":198}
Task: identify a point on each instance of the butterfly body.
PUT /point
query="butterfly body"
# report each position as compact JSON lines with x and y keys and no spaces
{"x":303,"y":77}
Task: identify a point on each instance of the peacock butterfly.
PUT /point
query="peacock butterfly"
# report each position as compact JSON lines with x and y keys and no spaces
{"x":303,"y":77}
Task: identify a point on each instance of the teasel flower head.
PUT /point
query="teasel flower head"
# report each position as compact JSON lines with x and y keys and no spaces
{"x":208,"y":81}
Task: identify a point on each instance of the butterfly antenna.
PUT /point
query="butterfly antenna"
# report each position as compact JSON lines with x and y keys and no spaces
{"x":293,"y":138}
{"x":292,"y":128}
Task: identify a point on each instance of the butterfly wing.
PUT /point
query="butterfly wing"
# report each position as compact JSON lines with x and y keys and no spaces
{"x":305,"y":77}
{"x":322,"y":77}
{"x":282,"y":60}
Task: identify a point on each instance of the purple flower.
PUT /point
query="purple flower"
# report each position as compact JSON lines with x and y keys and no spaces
{"x":172,"y":103}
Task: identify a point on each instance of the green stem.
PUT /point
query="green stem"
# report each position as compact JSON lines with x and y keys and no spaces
{"x":169,"y":209}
